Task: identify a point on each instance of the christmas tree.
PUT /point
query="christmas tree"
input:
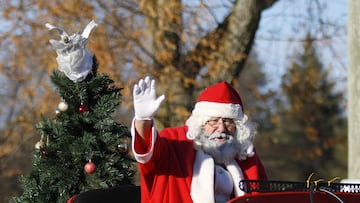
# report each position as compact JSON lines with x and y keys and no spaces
{"x":81,"y":147}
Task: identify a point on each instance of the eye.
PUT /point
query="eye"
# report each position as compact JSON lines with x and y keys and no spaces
{"x":212,"y":122}
{"x":227,"y":120}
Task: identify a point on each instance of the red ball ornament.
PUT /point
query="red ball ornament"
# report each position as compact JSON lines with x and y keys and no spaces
{"x":89,"y":167}
{"x":82,"y":109}
{"x":72,"y":199}
{"x":44,"y":153}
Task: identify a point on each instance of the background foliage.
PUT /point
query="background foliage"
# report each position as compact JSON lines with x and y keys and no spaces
{"x":185,"y":46}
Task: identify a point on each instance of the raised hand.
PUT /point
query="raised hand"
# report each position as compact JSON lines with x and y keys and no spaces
{"x":145,"y":102}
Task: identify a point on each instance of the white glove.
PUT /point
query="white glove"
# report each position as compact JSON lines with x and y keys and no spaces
{"x":145,"y":102}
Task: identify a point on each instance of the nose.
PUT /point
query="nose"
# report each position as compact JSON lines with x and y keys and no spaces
{"x":221,"y":126}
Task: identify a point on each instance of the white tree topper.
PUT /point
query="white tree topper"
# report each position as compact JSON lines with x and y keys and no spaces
{"x":74,"y":60}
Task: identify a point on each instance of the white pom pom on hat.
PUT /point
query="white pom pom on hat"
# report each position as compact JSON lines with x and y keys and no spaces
{"x":219,"y":100}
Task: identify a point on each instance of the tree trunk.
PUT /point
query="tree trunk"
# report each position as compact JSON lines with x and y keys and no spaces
{"x":354,"y":90}
{"x":222,"y":52}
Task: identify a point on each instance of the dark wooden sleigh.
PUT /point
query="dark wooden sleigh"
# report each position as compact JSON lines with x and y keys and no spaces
{"x":257,"y":191}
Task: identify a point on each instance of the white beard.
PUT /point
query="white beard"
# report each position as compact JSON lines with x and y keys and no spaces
{"x":222,"y":152}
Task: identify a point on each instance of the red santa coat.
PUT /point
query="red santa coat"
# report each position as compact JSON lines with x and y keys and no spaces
{"x":166,"y":166}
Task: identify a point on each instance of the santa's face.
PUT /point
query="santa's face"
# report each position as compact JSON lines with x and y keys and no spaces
{"x":217,"y":139}
{"x":221,"y":126}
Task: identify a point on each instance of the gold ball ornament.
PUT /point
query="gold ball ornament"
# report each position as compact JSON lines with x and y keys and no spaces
{"x":63,"y":106}
{"x":40,"y":144}
{"x":123,"y":148}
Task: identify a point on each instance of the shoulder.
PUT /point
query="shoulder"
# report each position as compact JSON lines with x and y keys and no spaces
{"x":178,"y":133}
{"x":175,"y":140}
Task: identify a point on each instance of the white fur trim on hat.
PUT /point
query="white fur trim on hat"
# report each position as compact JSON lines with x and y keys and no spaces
{"x":214,"y":109}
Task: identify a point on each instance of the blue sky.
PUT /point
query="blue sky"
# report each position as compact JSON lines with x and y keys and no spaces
{"x":284,"y":24}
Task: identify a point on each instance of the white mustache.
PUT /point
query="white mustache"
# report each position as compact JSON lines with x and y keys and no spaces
{"x":217,"y":135}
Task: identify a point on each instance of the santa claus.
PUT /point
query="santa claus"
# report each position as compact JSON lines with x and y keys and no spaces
{"x":202,"y":161}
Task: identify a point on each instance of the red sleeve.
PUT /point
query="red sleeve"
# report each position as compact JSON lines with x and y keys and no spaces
{"x":141,"y":148}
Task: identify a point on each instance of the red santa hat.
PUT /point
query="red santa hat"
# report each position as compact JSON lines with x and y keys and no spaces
{"x":219,"y":100}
